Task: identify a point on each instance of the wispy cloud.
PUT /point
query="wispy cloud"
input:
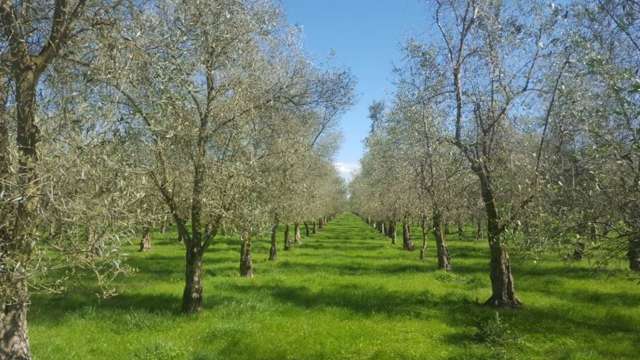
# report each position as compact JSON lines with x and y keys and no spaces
{"x":347,"y":170}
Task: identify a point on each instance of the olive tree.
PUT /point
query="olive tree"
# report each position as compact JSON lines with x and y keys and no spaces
{"x":34,"y":36}
{"x":496,"y":65}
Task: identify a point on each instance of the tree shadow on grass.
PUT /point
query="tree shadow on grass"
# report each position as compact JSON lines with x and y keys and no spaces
{"x":545,"y":271}
{"x":366,"y":300}
{"x":356,"y":268}
{"x":346,"y":247}
{"x":51,"y":310}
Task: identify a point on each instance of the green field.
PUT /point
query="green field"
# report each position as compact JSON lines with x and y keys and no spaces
{"x":345,"y":293}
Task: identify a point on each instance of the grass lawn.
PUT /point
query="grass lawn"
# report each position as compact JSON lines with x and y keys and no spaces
{"x":345,"y":293}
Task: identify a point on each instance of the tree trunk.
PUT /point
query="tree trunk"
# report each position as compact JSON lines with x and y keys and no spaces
{"x":320,"y":224}
{"x":297,"y":237}
{"x":407,"y":244}
{"x":18,"y":244}
{"x":192,"y":296}
{"x":306,"y":229}
{"x":14,"y":338}
{"x":313,"y":228}
{"x":165,"y":224}
{"x":444,"y":261}
{"x":392,"y":232}
{"x":446,"y":228}
{"x":578,"y":251}
{"x":383,"y":231}
{"x":273,"y":252}
{"x":145,"y":243}
{"x":423,"y":228}
{"x":479,"y":229}
{"x":634,"y":253}
{"x":502,"y":284}
{"x":287,"y":239}
{"x":460,"y":230}
{"x":246,"y":265}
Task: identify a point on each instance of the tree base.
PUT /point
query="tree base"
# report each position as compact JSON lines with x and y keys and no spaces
{"x":504,"y":303}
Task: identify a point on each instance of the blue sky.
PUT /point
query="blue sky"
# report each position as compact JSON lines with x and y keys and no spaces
{"x":366,"y":36}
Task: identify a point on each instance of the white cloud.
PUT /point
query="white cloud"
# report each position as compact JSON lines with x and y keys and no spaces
{"x":347,"y":170}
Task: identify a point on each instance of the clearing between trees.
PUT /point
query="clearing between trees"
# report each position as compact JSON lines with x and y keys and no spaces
{"x":343,"y":293}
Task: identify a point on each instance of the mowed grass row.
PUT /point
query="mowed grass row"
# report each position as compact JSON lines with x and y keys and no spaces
{"x":345,"y":293}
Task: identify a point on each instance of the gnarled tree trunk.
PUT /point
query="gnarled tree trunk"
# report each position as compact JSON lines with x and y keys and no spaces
{"x":444,"y":262}
{"x":14,"y":338}
{"x":392,"y":232}
{"x":17,"y":243}
{"x":407,"y":244}
{"x":423,"y":228}
{"x":578,"y":251}
{"x":273,"y":252}
{"x":297,"y":237}
{"x":287,"y":238}
{"x":246,"y":264}
{"x":145,"y":242}
{"x":502,"y":284}
{"x":192,"y":295}
{"x":479,"y":234}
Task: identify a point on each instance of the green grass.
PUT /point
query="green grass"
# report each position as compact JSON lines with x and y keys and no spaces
{"x":346,"y":293}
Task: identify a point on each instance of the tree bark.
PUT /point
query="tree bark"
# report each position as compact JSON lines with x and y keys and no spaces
{"x":460,"y":230}
{"x":192,"y":295}
{"x":407,"y":244}
{"x":502,"y":284}
{"x":246,"y":264}
{"x":145,"y":243}
{"x":423,"y":228}
{"x":320,"y":224}
{"x":578,"y":251}
{"x":382,"y":228}
{"x":306,"y":229}
{"x":17,"y":243}
{"x":287,"y":239}
{"x":313,"y":228}
{"x":392,"y":232}
{"x":14,"y":338}
{"x":273,"y":252}
{"x":444,"y":261}
{"x":479,"y":234}
{"x":297,"y":237}
{"x":634,"y":253}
